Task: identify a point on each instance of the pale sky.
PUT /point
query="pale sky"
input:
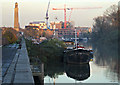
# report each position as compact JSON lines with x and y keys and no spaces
{"x":35,"y":10}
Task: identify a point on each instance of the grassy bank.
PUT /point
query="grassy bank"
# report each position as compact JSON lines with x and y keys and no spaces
{"x":46,"y":51}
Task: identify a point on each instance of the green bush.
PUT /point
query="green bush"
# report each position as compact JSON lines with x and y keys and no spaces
{"x":47,"y":50}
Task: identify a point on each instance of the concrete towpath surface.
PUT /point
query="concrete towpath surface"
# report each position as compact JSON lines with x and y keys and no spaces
{"x":19,"y":71}
{"x":7,"y":57}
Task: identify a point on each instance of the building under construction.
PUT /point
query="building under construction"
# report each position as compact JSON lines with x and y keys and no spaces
{"x":59,"y":29}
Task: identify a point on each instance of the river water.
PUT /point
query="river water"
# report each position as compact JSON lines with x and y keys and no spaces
{"x":98,"y":74}
{"x":103,"y":69}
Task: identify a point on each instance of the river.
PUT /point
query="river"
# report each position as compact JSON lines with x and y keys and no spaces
{"x":103,"y":69}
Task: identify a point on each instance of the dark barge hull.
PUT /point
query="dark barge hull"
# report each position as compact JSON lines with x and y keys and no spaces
{"x":78,"y":56}
{"x":77,"y":72}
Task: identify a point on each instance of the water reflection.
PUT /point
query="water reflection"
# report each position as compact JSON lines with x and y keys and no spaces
{"x":104,"y":68}
{"x":53,"y":69}
{"x":66,"y":73}
{"x":106,"y":56}
{"x":78,"y":72}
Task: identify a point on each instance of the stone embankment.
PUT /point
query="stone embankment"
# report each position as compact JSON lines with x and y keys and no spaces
{"x":19,"y":71}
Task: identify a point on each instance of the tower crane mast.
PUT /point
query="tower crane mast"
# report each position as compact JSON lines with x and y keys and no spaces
{"x":47,"y":17}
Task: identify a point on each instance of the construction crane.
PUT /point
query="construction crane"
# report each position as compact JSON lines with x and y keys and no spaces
{"x":71,"y":12}
{"x":47,"y":17}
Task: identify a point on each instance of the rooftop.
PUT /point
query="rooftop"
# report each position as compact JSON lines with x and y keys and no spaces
{"x":37,"y":22}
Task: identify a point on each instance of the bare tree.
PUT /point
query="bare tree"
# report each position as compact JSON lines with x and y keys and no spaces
{"x":106,"y":26}
{"x":111,"y":15}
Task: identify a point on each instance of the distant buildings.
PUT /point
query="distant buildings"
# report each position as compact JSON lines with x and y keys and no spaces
{"x":57,"y":28}
{"x":38,"y":29}
{"x":84,"y":29}
{"x":60,"y":25}
{"x":55,"y":25}
{"x":61,"y":31}
{"x":37,"y":25}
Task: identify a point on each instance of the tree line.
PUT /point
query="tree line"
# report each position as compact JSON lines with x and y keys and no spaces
{"x":106,"y":37}
{"x":36,"y":33}
{"x":105,"y":28}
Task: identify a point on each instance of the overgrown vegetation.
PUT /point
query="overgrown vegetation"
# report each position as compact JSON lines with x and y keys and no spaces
{"x":48,"y":50}
{"x":9,"y":35}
